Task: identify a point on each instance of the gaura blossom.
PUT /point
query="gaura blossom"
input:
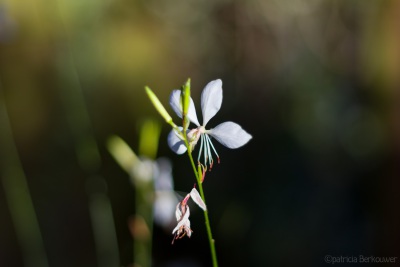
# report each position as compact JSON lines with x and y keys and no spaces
{"x":165,"y":199}
{"x":182,"y":214}
{"x":145,"y":172}
{"x":228,"y":133}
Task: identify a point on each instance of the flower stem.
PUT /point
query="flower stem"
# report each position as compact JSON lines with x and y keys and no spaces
{"x":207,"y":220}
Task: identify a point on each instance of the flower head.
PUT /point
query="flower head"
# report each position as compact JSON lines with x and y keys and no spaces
{"x":229,"y":134}
{"x":182,"y":213}
{"x":146,"y":172}
{"x":182,"y":216}
{"x":165,"y":199}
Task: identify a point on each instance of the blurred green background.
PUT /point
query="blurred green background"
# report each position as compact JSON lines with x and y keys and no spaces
{"x":315,"y":82}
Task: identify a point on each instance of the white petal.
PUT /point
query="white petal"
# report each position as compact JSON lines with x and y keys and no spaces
{"x":178,"y":213}
{"x":163,"y":180}
{"x":175,"y":229}
{"x":163,"y":210}
{"x":175,"y":102}
{"x":184,"y":220}
{"x":175,"y":143}
{"x":211,"y":100}
{"x":188,"y":230}
{"x":144,"y":170}
{"x":197,"y":199}
{"x":230,"y":134}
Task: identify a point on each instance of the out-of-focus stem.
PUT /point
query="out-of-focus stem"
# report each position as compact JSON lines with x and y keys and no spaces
{"x":18,"y":196}
{"x":143,"y":226}
{"x":87,"y":152}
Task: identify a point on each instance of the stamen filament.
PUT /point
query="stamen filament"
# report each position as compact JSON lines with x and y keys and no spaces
{"x":205,"y":144}
{"x":201,"y":147}
{"x":215,"y":151}
{"x":205,"y":150}
{"x":210,"y":159}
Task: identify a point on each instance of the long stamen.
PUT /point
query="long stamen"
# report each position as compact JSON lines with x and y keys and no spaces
{"x":205,"y":150}
{"x":203,"y":172}
{"x":205,"y":147}
{"x":215,"y":151}
{"x":182,"y":235}
{"x":201,"y":147}
{"x":210,"y":159}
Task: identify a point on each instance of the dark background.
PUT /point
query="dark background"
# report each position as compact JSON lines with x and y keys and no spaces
{"x":315,"y":82}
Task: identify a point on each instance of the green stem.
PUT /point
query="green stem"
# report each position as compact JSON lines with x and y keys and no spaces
{"x":18,"y":196}
{"x":207,"y":220}
{"x":142,"y":245}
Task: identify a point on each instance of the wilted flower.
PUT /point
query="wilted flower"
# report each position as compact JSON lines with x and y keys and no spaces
{"x":228,"y":133}
{"x":182,"y":214}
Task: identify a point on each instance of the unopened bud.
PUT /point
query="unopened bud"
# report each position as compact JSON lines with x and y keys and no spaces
{"x":157,"y":104}
{"x":185,"y":97}
{"x":122,"y":153}
{"x":185,"y":100}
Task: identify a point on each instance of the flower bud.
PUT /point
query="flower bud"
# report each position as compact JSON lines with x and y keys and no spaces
{"x":185,"y":100}
{"x":157,"y":104}
{"x":185,"y":97}
{"x":122,"y":153}
{"x":149,"y":136}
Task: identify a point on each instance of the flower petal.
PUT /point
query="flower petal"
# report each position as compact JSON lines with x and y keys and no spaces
{"x":211,"y":100}
{"x":175,"y":143}
{"x":230,"y":134}
{"x":187,"y":229}
{"x":175,"y":102}
{"x":184,"y":220}
{"x":197,"y":199}
{"x":163,"y":210}
{"x":178,"y":213}
{"x":163,"y":180}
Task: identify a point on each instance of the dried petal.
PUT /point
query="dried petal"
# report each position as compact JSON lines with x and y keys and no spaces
{"x":184,"y":221}
{"x":197,"y":199}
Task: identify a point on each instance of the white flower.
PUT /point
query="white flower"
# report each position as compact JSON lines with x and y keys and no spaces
{"x":158,"y":171}
{"x":165,"y":199}
{"x":182,"y":214}
{"x":228,"y":133}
